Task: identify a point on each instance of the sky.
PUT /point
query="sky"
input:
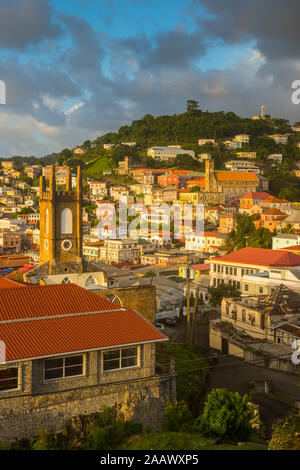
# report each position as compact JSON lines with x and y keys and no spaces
{"x":76,"y":69}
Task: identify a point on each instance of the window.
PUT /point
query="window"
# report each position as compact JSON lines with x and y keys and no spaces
{"x":47,"y":221}
{"x":66,"y":221}
{"x":114,"y":298}
{"x":243,"y":315}
{"x":261,"y":290}
{"x":246,"y":287}
{"x":120,"y":359}
{"x":63,"y":367}
{"x":8,"y":379}
{"x":91,"y":281}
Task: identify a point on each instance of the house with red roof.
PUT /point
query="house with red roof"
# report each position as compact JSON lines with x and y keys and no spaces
{"x":253,"y":199}
{"x":66,"y":351}
{"x":232,"y":267}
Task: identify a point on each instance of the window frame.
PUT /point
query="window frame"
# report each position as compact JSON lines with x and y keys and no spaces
{"x":17,"y":378}
{"x":120,"y":368}
{"x":64,"y":377}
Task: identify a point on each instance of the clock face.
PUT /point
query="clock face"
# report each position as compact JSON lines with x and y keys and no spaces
{"x":66,"y":245}
{"x":46,"y":244}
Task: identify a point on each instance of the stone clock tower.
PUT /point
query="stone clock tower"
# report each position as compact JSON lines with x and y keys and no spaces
{"x":61,"y":225}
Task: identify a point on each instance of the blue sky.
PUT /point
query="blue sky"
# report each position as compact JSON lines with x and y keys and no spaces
{"x":75,"y":69}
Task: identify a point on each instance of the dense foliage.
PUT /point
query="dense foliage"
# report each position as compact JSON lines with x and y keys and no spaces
{"x":247,"y":235}
{"x":178,"y":417}
{"x":226,"y":414}
{"x":216,"y":294}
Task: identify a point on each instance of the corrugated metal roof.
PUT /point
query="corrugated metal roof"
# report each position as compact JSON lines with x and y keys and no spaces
{"x":69,"y":334}
{"x":261,"y":257}
{"x":49,"y":300}
{"x":59,"y":319}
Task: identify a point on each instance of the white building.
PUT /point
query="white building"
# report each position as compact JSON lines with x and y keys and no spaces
{"x":166,"y":153}
{"x":276,"y":157}
{"x":280,"y":138}
{"x":242,"y":165}
{"x":244,"y":138}
{"x":284,"y":240}
{"x":204,"y":156}
{"x":205,"y":141}
{"x":206,"y":242}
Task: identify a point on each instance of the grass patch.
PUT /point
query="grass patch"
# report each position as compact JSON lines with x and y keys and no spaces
{"x":96,"y":168}
{"x":286,"y":434}
{"x":182,"y":441}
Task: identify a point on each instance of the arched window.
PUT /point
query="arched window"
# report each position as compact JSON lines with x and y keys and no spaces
{"x":114,"y":298}
{"x":66,"y":221}
{"x":91,"y":281}
{"x":66,"y":280}
{"x":47,"y":221}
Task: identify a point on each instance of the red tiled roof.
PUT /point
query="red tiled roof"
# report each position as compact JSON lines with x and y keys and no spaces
{"x":254,"y":195}
{"x":261,"y":257}
{"x":236,"y":176}
{"x":201,"y":267}
{"x":59,"y":319}
{"x":291,"y":248}
{"x":274,"y":211}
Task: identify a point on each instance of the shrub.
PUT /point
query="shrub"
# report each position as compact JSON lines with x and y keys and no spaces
{"x":177,"y":417}
{"x":226,"y":414}
{"x":46,"y":441}
{"x":107,"y":430}
{"x":286,"y":434}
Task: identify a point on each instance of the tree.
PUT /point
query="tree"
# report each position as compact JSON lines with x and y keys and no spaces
{"x":86,"y":144}
{"x":226,"y":414}
{"x":260,"y":238}
{"x":192,"y":106}
{"x":222,"y":291}
{"x":244,"y":228}
{"x":288,"y":228}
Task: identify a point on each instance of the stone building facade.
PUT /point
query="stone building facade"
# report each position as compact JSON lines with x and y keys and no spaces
{"x":70,"y":352}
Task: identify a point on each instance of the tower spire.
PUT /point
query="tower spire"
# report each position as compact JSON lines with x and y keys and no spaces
{"x":52,"y":182}
{"x":68,"y":179}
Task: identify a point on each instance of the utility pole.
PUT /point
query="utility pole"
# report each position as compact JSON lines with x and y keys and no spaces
{"x":188,"y":319}
{"x":195,"y":312}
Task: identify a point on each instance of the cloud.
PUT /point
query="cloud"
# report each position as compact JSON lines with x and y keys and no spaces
{"x":26,"y":22}
{"x":87,"y":82}
{"x":272,"y":24}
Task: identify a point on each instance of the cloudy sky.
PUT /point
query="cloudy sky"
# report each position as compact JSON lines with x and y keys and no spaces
{"x":75,"y":69}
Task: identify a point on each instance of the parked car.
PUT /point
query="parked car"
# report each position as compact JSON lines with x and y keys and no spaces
{"x":160,"y":326}
{"x":170,"y":321}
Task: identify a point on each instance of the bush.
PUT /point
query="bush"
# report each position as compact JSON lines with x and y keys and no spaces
{"x":227,"y":415}
{"x":286,"y":434}
{"x":46,"y":441}
{"x":178,"y":417}
{"x":107,"y":430}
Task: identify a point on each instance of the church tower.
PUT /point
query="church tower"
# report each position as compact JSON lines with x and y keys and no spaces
{"x":61,"y":224}
{"x":210,"y":180}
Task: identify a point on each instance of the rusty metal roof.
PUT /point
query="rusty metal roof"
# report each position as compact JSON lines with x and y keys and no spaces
{"x":60,"y":319}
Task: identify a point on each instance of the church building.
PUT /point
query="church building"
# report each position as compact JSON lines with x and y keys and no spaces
{"x":61,"y":259}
